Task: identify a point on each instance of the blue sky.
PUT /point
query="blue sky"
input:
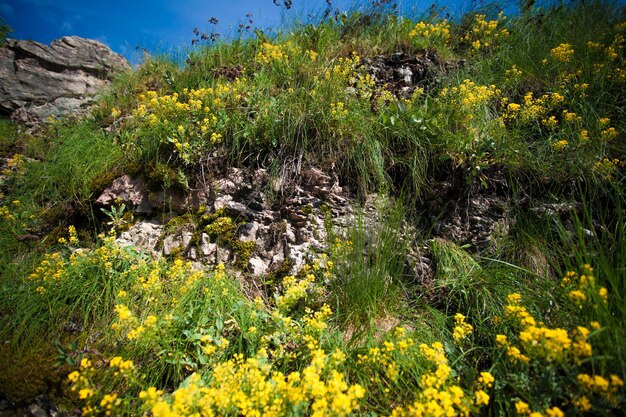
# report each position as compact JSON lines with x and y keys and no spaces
{"x":156,"y":25}
{"x":160,"y":25}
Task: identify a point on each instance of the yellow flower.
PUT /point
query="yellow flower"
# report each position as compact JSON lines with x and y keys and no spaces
{"x":554,"y":412}
{"x":582,"y":403}
{"x":522,"y":408}
{"x":577,"y":296}
{"x":73,"y":377}
{"x":514,"y":107}
{"x":481,"y":397}
{"x":562,"y":53}
{"x":123,"y":312}
{"x":85,"y":393}
{"x":514,"y":298}
{"x":560,"y":145}
{"x":604,"y":294}
{"x":486,"y":379}
{"x":461,"y":329}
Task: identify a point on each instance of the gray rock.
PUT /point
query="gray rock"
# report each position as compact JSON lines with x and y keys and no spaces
{"x":169,"y":245}
{"x":144,"y":235}
{"x":248,"y":232}
{"x":185,"y":238}
{"x":54,"y":81}
{"x":257,"y":266}
{"x":130,"y":191}
{"x":36,"y":411}
{"x":207,"y":248}
{"x":405,"y":74}
{"x":222,"y":255}
{"x":290,"y":233}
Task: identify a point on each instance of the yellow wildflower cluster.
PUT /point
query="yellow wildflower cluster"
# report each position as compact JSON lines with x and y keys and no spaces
{"x":560,"y":145}
{"x":461,"y":328}
{"x":608,"y":134}
{"x":72,"y":237}
{"x":51,"y":268}
{"x":15,"y":164}
{"x":6,"y":215}
{"x":343,"y":68}
{"x":364,"y":84}
{"x":607,"y":167}
{"x":596,"y":384}
{"x":560,"y":350}
{"x":431,"y":33}
{"x":540,"y":342}
{"x":532,"y":109}
{"x":582,"y":287}
{"x":338,"y":110}
{"x":523,"y":409}
{"x":436,"y":391}
{"x":82,"y":383}
{"x":189,"y":120}
{"x":484,"y":34}
{"x":571,"y":117}
{"x":439,"y":395}
{"x":250,"y":387}
{"x":562,"y":53}
{"x":470,"y":97}
{"x":293,"y":290}
{"x":270,"y":53}
{"x":513,"y":73}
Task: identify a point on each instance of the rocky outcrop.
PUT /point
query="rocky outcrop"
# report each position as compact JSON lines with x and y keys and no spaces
{"x":289,"y":233}
{"x":284,"y":232}
{"x":402,"y":73}
{"x":131,"y":192}
{"x":39,"y":81}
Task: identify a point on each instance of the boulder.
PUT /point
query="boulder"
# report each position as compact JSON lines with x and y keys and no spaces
{"x":132,"y":192}
{"x":144,"y":235}
{"x":39,"y":81}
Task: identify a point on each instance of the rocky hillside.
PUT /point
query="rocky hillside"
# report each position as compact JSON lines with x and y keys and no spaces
{"x":366,"y":214}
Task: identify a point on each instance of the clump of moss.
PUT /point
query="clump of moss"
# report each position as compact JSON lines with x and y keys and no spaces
{"x":180,"y":222}
{"x":27,"y":373}
{"x":224,"y":228}
{"x":163,"y":175}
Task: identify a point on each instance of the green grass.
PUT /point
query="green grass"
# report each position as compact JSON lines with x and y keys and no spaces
{"x":370,"y":257}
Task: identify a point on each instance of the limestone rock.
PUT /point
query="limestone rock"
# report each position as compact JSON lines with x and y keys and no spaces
{"x":130,"y":191}
{"x":143,"y":235}
{"x":257,"y":266}
{"x":39,"y":81}
{"x":291,"y":232}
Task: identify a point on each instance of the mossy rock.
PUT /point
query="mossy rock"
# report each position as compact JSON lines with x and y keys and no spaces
{"x":27,"y":373}
{"x":225,"y":229}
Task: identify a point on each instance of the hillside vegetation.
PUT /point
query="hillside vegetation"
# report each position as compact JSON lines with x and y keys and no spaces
{"x":531,"y":323}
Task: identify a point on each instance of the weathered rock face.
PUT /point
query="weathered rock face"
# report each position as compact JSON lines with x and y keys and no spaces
{"x":39,"y":81}
{"x":130,"y":191}
{"x":283,"y":235}
{"x":289,"y":233}
{"x":402,"y":73}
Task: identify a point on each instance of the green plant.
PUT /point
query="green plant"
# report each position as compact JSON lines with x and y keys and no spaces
{"x":368,"y":258}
